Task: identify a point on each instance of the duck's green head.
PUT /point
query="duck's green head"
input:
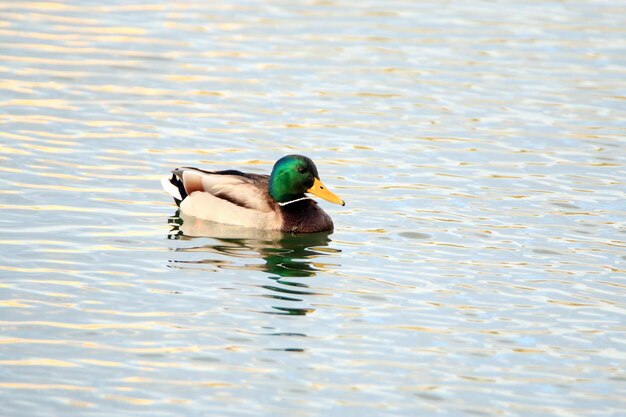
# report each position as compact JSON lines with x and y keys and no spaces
{"x":294,"y":175}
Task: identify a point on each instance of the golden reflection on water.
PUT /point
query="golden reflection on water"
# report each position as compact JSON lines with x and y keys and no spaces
{"x":482,"y":249}
{"x":27,"y":386}
{"x":37,"y":362}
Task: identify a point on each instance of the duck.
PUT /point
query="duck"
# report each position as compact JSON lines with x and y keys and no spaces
{"x":276,"y":202}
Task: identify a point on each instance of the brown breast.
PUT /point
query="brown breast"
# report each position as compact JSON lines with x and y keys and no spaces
{"x":305,"y":217}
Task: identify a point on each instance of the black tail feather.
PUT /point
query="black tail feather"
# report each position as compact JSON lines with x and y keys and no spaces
{"x":177,"y":181}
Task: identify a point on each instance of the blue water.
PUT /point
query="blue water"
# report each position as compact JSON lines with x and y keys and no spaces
{"x":476,"y":269}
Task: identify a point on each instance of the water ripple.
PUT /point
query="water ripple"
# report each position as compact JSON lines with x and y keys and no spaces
{"x":478,"y":148}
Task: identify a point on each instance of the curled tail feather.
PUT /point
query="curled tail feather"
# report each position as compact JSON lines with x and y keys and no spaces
{"x":174,"y":186}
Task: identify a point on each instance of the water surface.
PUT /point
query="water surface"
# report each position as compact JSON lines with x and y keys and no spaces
{"x":477,"y":268}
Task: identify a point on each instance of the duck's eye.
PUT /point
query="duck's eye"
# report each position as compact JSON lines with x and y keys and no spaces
{"x":301,"y":170}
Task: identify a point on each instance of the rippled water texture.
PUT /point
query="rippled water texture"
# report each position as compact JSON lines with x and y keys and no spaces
{"x":477,"y":269}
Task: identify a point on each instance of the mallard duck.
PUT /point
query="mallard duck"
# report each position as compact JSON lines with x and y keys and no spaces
{"x":269,"y":202}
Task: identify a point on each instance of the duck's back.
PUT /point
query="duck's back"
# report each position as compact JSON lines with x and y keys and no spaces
{"x":230,"y":197}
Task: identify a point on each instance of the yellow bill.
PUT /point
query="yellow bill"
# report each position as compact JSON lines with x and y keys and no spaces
{"x":321,"y":191}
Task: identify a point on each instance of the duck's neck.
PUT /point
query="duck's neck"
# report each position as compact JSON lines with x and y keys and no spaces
{"x":284,"y":203}
{"x":282,"y":193}
{"x":305,"y":216}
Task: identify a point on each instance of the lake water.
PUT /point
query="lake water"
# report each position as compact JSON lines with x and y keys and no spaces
{"x":478,"y":267}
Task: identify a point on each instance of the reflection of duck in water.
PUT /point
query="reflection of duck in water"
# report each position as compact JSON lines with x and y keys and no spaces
{"x":286,"y":255}
{"x":275,"y":202}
